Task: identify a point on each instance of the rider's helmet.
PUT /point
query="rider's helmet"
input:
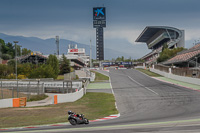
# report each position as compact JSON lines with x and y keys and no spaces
{"x":69,"y":112}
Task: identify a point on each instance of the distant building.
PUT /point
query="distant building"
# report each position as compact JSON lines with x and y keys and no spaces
{"x":77,"y":57}
{"x":34,"y":58}
{"x":187,"y":58}
{"x":156,"y":36}
{"x":79,"y":53}
{"x":3,"y":61}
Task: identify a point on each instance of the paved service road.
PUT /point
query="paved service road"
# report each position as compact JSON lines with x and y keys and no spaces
{"x":146,"y":105}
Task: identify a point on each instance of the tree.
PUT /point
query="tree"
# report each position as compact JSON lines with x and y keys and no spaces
{"x":6,"y":57}
{"x":26,"y":51}
{"x":11,"y":49}
{"x":11,"y":63}
{"x":168,"y":53}
{"x":54,"y":63}
{"x":128,"y":60}
{"x":64,"y":65}
{"x":5,"y":70}
{"x":43,"y":71}
{"x":24,"y":69}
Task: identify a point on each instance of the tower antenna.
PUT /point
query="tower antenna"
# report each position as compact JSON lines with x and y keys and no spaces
{"x":57,"y":44}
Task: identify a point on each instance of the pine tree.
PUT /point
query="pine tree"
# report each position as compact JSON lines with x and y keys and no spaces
{"x":54,"y":63}
{"x":65,"y":65}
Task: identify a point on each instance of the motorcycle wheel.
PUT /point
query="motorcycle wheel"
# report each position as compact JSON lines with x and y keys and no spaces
{"x":86,"y":121}
{"x":72,"y":121}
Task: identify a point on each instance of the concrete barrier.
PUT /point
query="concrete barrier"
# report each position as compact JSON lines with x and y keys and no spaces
{"x":176,"y":77}
{"x":5,"y":103}
{"x":69,"y":97}
{"x":143,"y":67}
{"x":13,"y":102}
{"x":58,"y":98}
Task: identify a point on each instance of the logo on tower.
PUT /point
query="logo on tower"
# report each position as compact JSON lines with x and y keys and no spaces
{"x":99,"y":13}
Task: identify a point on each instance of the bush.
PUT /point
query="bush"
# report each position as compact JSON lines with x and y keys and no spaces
{"x":44,"y":71}
{"x":6,"y":56}
{"x":21,"y":76}
{"x":5,"y":70}
{"x":168,"y":53}
{"x":11,"y":76}
{"x":37,"y":97}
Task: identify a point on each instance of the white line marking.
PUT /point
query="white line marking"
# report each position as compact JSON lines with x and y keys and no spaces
{"x":143,"y":86}
{"x":113,"y":93}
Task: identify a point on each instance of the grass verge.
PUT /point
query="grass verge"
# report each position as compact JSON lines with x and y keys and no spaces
{"x":148,"y":72}
{"x":93,"y":105}
{"x":100,"y":77}
{"x":60,"y":77}
{"x":37,"y":97}
{"x":7,"y":93}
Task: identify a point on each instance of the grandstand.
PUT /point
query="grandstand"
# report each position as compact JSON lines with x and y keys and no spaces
{"x":156,"y":36}
{"x":33,"y":57}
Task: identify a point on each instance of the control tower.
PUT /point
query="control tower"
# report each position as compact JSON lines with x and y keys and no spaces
{"x":99,"y":21}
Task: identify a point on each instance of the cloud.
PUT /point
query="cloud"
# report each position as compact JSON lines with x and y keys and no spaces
{"x":129,"y":35}
{"x":192,"y":34}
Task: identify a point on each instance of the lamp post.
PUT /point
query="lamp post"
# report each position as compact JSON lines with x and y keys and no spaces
{"x":90,"y":53}
{"x":16,"y":64}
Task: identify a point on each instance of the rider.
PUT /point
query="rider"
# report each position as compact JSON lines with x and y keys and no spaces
{"x":70,"y":112}
{"x":80,"y":116}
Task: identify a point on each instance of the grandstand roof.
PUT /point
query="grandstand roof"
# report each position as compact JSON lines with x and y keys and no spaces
{"x":34,"y":58}
{"x":185,"y":55}
{"x":150,"y":31}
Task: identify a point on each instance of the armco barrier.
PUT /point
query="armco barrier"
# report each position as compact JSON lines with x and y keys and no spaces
{"x":69,"y":97}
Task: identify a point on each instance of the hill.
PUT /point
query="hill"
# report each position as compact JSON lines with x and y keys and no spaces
{"x":48,"y":46}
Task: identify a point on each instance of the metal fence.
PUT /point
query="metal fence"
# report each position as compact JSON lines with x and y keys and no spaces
{"x":12,"y":89}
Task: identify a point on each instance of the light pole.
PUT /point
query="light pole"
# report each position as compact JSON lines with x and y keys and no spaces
{"x":16,"y":64}
{"x":90,"y":53}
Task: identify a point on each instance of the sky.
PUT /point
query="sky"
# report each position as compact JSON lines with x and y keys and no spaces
{"x":126,"y":19}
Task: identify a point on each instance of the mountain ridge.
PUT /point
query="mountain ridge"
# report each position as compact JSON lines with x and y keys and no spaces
{"x":48,"y":46}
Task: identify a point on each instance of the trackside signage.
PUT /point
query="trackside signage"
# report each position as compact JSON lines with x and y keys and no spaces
{"x":116,"y":63}
{"x":80,"y":50}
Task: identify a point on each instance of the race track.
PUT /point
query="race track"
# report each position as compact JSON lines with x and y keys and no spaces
{"x":145,"y":105}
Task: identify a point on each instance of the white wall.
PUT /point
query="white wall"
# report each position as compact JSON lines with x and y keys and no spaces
{"x":176,"y":77}
{"x":4,"y":103}
{"x":70,"y":97}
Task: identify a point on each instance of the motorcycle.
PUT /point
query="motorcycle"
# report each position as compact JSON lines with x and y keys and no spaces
{"x":75,"y":119}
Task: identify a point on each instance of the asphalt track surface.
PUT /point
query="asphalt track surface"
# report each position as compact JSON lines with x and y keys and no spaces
{"x":145,"y":105}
